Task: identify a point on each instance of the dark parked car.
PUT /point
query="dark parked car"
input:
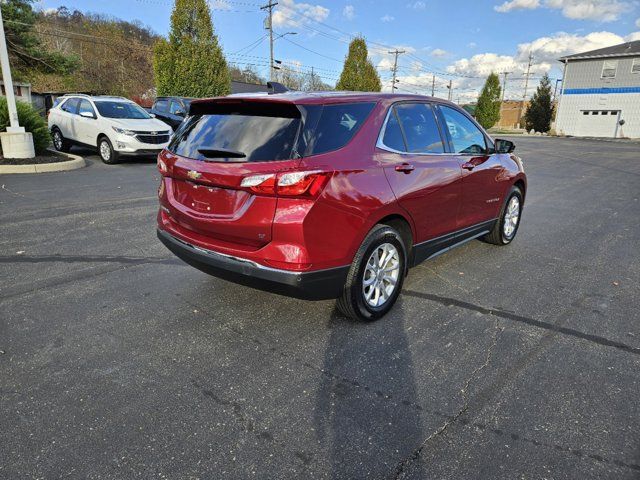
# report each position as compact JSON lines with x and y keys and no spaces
{"x":333,"y":195}
{"x":171,"y":110}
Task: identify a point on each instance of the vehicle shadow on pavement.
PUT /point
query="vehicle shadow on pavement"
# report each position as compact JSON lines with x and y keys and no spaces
{"x":359,"y":417}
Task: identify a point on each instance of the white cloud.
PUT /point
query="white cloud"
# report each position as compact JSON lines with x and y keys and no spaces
{"x":288,"y":13}
{"x":417,"y":5}
{"x":632,"y":37}
{"x":220,"y":5}
{"x":601,"y":10}
{"x":517,"y":5}
{"x":472,"y":44}
{"x":387,"y":18}
{"x":549,"y":49}
{"x":438,"y":52}
{"x":598,"y":10}
{"x":349,"y":12}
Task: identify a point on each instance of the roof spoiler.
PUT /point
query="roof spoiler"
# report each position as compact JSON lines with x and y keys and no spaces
{"x":275,"y":87}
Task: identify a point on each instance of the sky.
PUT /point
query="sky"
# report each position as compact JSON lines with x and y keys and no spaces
{"x":458,"y":41}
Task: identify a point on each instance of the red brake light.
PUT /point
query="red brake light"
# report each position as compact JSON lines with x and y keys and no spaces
{"x":288,"y":184}
{"x":297,"y":184}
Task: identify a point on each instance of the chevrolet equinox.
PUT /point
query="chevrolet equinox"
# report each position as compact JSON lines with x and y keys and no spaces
{"x":333,"y":195}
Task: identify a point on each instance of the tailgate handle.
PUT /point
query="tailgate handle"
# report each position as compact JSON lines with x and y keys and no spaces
{"x":405,"y":168}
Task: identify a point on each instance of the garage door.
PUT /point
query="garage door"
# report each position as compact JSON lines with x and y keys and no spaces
{"x":597,"y":123}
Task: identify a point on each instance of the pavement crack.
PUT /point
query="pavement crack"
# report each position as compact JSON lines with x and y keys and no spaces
{"x":553,"y":327}
{"x":464,"y":392}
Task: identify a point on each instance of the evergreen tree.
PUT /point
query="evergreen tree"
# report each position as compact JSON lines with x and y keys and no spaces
{"x":26,"y":52}
{"x":488,"y":108}
{"x":540,"y":111}
{"x":190,"y":63}
{"x":358,"y":73}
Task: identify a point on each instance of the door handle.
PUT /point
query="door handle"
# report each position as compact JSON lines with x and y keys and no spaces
{"x":405,"y":168}
{"x":468,"y":166}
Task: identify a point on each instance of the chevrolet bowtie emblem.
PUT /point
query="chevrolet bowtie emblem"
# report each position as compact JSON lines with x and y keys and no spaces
{"x":193,"y":175}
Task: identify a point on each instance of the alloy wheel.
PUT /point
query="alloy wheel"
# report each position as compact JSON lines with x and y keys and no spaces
{"x":381,"y":275}
{"x":105,"y":150}
{"x":57,"y":140}
{"x":511,"y":217}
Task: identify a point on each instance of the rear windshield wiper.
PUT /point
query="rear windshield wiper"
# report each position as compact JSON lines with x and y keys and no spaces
{"x":220,"y":153}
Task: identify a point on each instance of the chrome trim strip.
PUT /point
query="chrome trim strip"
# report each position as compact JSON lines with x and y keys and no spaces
{"x":247,"y":261}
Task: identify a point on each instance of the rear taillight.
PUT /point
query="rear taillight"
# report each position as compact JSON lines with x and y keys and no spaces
{"x":162,"y":167}
{"x":262,"y":184}
{"x":289,"y":184}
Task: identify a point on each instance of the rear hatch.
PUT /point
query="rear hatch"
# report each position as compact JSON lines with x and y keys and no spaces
{"x":222,"y":143}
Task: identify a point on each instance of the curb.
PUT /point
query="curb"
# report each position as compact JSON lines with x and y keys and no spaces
{"x":74,"y":162}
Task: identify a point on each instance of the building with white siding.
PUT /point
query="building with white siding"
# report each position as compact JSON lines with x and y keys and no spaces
{"x":601,"y":93}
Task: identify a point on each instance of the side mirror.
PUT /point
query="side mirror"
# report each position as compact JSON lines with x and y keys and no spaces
{"x":504,"y":146}
{"x":87,"y":115}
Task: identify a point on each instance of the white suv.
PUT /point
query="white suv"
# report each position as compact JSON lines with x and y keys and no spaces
{"x":113,"y":125}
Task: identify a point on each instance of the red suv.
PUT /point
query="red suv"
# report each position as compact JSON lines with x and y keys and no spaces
{"x":325,"y":195}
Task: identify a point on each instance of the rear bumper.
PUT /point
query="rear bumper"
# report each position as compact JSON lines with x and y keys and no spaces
{"x":313,"y":285}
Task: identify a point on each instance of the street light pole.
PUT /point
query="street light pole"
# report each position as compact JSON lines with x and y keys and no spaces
{"x":16,"y":143}
{"x":8,"y":83}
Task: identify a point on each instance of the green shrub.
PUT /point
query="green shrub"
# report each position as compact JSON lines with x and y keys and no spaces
{"x":31,"y":120}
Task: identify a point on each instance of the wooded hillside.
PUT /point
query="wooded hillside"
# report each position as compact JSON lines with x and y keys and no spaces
{"x":115,"y":56}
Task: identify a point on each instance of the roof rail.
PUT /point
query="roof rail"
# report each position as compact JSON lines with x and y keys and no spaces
{"x":275,"y":87}
{"x":76,"y":95}
{"x":112,"y":96}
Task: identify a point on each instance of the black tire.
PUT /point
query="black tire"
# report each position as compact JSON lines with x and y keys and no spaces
{"x":353,"y":303}
{"x":497,"y":236}
{"x":107,"y":154}
{"x":60,"y":143}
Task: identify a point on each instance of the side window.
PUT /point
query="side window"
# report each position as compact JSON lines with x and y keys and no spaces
{"x":162,"y":105}
{"x":175,"y":107}
{"x":70,"y":105}
{"x":609,"y":68}
{"x":466,"y":137}
{"x":337,"y":125}
{"x":85,"y":106}
{"x":420,"y":128}
{"x":393,"y":134}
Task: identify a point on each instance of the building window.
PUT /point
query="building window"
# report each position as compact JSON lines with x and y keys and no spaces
{"x":635,"y":66}
{"x":609,"y":68}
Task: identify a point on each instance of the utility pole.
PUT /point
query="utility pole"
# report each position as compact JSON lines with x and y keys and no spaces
{"x":16,"y":143}
{"x":504,"y":83}
{"x":269,"y":6}
{"x":450,"y":87}
{"x":433,"y":85}
{"x":526,"y":85}
{"x":396,"y":52}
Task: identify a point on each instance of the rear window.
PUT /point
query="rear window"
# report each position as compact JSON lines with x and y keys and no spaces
{"x":257,"y":132}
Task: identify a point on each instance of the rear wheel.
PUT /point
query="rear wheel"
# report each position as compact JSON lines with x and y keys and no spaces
{"x":107,"y":154}
{"x":375,"y":278}
{"x":60,"y":143}
{"x":505,"y":229}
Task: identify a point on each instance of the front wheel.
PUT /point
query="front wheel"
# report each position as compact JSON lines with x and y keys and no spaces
{"x":505,"y":229}
{"x":107,"y":154}
{"x":376,"y":275}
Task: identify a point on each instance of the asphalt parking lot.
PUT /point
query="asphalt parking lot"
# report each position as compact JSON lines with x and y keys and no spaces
{"x":119,"y":361}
